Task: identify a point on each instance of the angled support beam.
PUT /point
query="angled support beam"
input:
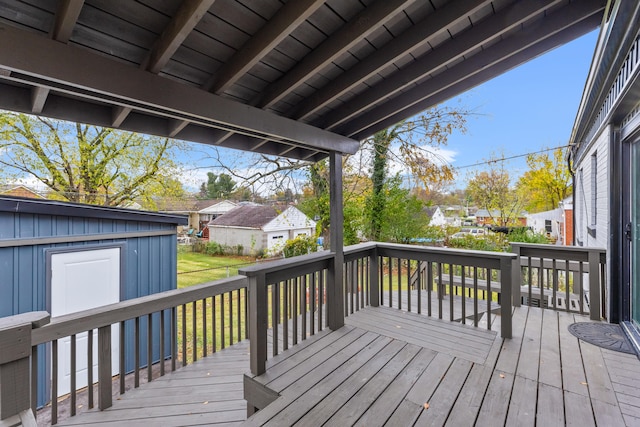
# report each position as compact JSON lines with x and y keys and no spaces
{"x":66,"y":17}
{"x":39,"y":61}
{"x":175,"y":127}
{"x":342,"y":40}
{"x":491,"y":29}
{"x":485,"y":74}
{"x":120,"y":113}
{"x":287,"y":19}
{"x":415,"y":37}
{"x":573,"y":15}
{"x":38,"y":97}
{"x":184,"y":21}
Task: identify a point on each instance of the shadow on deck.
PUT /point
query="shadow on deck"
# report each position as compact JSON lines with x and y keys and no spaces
{"x":386,"y":366}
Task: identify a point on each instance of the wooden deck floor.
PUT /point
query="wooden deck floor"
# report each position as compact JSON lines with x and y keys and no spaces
{"x":388,"y":367}
{"x":392,"y":368}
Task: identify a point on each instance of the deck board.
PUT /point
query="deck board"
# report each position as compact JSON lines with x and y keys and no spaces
{"x":385,"y":365}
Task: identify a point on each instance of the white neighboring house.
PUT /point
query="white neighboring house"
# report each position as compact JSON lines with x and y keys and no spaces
{"x":548,"y":223}
{"x":260,"y":228}
{"x":437,"y":216}
{"x":214,"y":211}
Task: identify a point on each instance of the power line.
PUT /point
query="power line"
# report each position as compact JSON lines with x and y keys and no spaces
{"x":488,"y":162}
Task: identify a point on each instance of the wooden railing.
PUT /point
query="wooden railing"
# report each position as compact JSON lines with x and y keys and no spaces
{"x":287,"y":297}
{"x":156,"y":333}
{"x":568,"y":278}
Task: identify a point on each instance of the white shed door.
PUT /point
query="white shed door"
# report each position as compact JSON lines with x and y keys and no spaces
{"x":83,"y":280}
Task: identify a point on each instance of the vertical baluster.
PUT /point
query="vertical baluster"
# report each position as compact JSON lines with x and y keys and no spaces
{"x":554,"y":283}
{"x":475,"y":296}
{"x":303,"y":304}
{"x":350,"y":287}
{"x":489,"y":298}
{"x":285,"y":312}
{"x":223,"y":309}
{"x":451,"y":292}
{"x":54,"y":382}
{"x":136,"y":346}
{"x":231,"y":318}
{"x":194,"y":333}
{"x":214,"y":324}
{"x":321,"y":304}
{"x":409,"y":290}
{"x":312,"y":308}
{"x":90,"y":368}
{"x":380,"y":274}
{"x":399,"y":273}
{"x":275,"y":316}
{"x":34,"y":378}
{"x":185,"y":338}
{"x":121,"y":357}
{"x":530,"y":279}
{"x":246,"y":313}
{"x":390,"y":269}
{"x":205,"y":341}
{"x":540,"y":283}
{"x":429,"y":285}
{"x":362,"y":279}
{"x":566,"y":284}
{"x":463,"y":307}
{"x":73,"y":375}
{"x":238,"y":317}
{"x":150,"y":347}
{"x":419,"y":286}
{"x":162,"y":343}
{"x":174,"y":337}
{"x":294,"y":310}
{"x":440,"y":288}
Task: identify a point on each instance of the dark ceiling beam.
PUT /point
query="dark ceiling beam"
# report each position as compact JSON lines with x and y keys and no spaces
{"x":415,"y":37}
{"x":35,"y":60}
{"x":367,"y":21}
{"x":491,"y":28}
{"x":280,"y":26}
{"x":484,"y":74}
{"x":65,"y":19}
{"x":182,"y":23}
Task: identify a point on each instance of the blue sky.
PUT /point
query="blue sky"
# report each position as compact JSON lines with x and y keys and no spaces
{"x":527,"y":109}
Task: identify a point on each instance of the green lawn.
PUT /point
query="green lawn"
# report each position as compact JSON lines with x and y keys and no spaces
{"x":195,"y":268}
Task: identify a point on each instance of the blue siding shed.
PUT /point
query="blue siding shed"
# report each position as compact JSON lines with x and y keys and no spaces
{"x":30,"y":230}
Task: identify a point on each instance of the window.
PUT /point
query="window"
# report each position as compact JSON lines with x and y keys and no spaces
{"x":547,"y":225}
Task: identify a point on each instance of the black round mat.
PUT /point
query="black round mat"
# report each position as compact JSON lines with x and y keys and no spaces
{"x":605,"y":335}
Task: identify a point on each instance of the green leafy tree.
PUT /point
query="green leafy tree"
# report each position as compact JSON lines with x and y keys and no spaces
{"x":219,"y":186}
{"x":547,"y":182}
{"x":492,"y":190}
{"x":86,"y":164}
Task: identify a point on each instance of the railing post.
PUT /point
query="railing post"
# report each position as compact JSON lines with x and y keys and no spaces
{"x":374,"y":282}
{"x":335,"y":285}
{"x":104,"y":368}
{"x":15,"y":366}
{"x":258,"y":323}
{"x":506,"y":269}
{"x":516,"y":276}
{"x":594,"y":284}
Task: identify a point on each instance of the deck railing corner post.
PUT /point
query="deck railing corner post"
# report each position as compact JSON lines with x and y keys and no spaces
{"x":594,"y":284}
{"x":516,"y":276}
{"x":335,"y":292}
{"x":258,"y":323}
{"x":374,"y":274}
{"x":506,"y":301}
{"x":15,"y":362}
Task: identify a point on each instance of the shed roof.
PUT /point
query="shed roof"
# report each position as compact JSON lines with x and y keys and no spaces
{"x":53,"y":207}
{"x":297,"y":79}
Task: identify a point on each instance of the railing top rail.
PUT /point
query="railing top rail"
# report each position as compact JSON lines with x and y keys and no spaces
{"x":572,"y":253}
{"x":295,"y":264}
{"x":456,"y":256}
{"x":75,"y":323}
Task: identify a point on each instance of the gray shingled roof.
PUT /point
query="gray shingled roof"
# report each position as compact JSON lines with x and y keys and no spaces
{"x":253,"y":216}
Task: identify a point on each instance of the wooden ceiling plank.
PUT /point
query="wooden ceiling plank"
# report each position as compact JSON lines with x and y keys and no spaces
{"x":490,"y":29}
{"x":413,"y":38}
{"x":289,"y":17}
{"x":501,"y":67}
{"x":54,"y":65}
{"x":66,"y":18}
{"x":338,"y":43}
{"x":573,"y":16}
